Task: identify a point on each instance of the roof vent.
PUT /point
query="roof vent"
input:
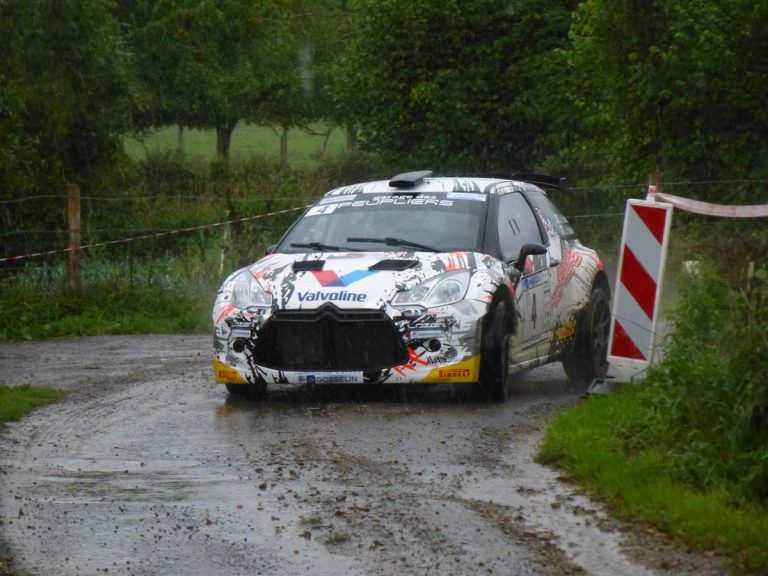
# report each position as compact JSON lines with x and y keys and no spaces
{"x":409,"y":179}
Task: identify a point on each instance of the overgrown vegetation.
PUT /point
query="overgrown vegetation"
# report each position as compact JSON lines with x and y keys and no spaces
{"x":706,"y":404}
{"x":687,"y":448}
{"x":105,"y":307}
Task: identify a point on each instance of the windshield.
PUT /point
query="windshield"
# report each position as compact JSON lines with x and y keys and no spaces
{"x":444,"y":223}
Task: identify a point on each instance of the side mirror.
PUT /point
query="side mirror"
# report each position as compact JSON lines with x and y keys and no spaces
{"x":528,"y":250}
{"x":270,"y":250}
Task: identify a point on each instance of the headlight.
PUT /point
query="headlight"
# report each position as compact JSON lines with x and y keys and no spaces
{"x":247,"y":293}
{"x":438,"y":291}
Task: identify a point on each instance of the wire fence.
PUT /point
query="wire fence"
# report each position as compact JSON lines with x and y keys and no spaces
{"x":132,"y":233}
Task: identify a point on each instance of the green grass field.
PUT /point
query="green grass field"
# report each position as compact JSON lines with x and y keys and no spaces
{"x":247,"y":140}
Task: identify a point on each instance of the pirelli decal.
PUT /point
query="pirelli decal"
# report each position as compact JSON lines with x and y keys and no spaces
{"x":466,"y":371}
{"x":226,"y":374}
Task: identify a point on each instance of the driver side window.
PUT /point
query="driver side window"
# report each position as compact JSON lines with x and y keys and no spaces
{"x":517,"y":225}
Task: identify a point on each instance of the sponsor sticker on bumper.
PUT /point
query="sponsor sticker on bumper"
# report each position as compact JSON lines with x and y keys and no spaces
{"x":331,"y":378}
{"x":224,"y":374}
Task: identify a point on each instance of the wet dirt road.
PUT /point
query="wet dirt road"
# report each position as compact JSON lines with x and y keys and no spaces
{"x":147,"y":468}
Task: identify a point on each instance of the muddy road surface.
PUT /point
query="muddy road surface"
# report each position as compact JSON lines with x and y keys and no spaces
{"x":148,"y":468}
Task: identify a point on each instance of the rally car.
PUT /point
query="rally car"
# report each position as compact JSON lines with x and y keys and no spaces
{"x":418,"y":279}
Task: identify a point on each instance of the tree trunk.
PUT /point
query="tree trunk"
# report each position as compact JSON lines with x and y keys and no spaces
{"x":180,"y":141}
{"x":351,"y":138}
{"x":326,"y":138}
{"x":224,"y":131}
{"x":284,"y":146}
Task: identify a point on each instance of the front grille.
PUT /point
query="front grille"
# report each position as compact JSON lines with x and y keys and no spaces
{"x":329,"y":339}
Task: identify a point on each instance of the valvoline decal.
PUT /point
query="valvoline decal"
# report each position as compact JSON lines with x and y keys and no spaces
{"x":332,"y":296}
{"x":331,"y":279}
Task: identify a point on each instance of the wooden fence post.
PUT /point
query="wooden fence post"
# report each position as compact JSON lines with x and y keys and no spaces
{"x":73,"y":225}
{"x":655,"y":179}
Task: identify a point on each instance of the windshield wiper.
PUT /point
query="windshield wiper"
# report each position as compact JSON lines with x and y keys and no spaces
{"x":321,"y":246}
{"x":396,"y":242}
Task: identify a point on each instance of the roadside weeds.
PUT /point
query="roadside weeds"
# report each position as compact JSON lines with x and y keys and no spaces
{"x":584,"y":442}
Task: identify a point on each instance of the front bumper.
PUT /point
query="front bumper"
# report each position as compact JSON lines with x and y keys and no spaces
{"x":333,"y":346}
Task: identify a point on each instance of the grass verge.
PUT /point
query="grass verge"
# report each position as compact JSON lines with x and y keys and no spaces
{"x":25,"y":315}
{"x":17,"y":401}
{"x":589,"y":443}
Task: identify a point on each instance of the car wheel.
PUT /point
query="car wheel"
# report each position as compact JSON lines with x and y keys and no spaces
{"x":251,"y":391}
{"x":587,"y":358}
{"x":494,"y":359}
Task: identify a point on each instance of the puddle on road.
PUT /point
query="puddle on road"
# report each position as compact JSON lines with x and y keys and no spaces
{"x":146,"y":491}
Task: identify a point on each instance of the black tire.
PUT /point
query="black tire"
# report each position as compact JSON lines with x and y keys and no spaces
{"x":587,"y":358}
{"x":248,"y":391}
{"x":494,"y":358}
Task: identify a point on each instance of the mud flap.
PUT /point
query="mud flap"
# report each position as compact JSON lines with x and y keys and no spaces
{"x":603,"y":386}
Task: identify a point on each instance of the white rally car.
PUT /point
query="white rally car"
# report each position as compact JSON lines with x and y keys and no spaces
{"x":418,"y":279}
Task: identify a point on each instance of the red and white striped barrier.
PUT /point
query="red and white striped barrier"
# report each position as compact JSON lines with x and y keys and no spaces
{"x":638,"y":288}
{"x":642,"y":260}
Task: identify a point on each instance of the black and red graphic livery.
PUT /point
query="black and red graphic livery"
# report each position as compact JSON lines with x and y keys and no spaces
{"x":416,"y":280}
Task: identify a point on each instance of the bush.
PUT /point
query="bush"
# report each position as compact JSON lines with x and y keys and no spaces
{"x":706,"y":404}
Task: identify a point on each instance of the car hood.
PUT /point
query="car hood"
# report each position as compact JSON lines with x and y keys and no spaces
{"x":351,"y":279}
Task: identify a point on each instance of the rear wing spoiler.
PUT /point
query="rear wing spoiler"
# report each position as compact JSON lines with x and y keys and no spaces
{"x":540,"y":180}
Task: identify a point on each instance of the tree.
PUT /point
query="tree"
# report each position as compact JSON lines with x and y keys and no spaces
{"x":454,"y":85}
{"x":66,"y":98}
{"x":66,"y":78}
{"x":206,"y":63}
{"x":672,"y":85}
{"x":303,"y":43}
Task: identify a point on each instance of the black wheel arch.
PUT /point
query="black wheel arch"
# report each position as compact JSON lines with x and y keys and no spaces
{"x":601,"y":281}
{"x":502,"y":294}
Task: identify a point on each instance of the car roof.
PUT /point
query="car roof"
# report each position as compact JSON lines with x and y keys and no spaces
{"x":424,"y":182}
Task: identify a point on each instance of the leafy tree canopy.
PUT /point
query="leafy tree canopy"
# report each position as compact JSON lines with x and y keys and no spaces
{"x":210,"y":64}
{"x":66,"y":94}
{"x":453,"y":85}
{"x":671,"y":85}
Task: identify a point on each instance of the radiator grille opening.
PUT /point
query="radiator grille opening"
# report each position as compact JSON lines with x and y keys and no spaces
{"x":329,"y":339}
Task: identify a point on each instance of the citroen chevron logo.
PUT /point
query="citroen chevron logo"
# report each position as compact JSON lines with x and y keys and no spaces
{"x":329,"y":278}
